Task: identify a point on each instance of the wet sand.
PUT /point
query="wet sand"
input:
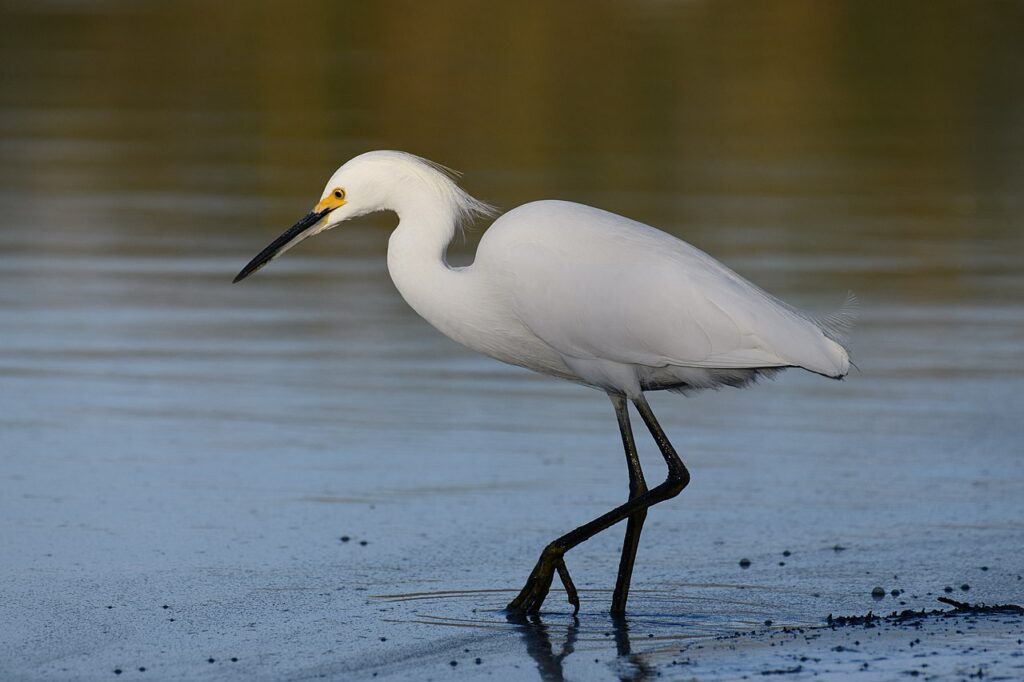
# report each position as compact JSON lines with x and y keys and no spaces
{"x":183,"y":459}
{"x":363,"y":499}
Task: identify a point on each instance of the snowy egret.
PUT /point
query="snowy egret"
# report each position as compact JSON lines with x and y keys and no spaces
{"x":581,"y":294}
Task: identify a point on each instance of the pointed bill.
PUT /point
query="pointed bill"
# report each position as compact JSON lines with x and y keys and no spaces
{"x":295,"y":234}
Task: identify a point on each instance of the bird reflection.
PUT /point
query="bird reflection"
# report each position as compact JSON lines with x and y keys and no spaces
{"x":538,"y":637}
{"x":632,"y":667}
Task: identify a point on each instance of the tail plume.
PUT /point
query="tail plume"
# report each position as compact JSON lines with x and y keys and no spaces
{"x":837,"y":324}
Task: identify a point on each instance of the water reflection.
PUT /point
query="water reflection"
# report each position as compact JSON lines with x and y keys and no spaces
{"x":537,"y":637}
{"x":701,"y":120}
{"x":631,"y":666}
{"x":542,"y":640}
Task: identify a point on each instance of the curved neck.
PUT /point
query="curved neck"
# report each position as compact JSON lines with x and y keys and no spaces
{"x":426,"y":226}
{"x":418,"y":267}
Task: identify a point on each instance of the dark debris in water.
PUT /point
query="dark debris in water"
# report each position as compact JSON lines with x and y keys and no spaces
{"x":898,"y":617}
{"x":961,"y":607}
{"x":784,"y":671}
{"x":842,"y":621}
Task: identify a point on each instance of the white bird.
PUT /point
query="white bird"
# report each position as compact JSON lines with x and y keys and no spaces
{"x":581,"y":294}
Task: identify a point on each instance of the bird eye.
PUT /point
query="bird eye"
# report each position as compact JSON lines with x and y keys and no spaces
{"x":339,"y":193}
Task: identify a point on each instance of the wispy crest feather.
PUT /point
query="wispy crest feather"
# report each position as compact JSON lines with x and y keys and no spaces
{"x":465,"y":208}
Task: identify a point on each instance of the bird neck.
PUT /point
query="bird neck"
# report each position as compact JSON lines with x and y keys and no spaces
{"x":417,"y":264}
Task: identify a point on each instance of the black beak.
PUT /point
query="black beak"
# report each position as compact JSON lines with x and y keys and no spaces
{"x":295,"y":234}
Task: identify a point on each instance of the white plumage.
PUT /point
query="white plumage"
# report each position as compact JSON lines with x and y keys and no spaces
{"x":577,"y":292}
{"x":582,"y":294}
{"x":631,"y":308}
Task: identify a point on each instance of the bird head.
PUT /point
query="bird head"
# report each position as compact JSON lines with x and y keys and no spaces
{"x":377,"y":181}
{"x":350,"y":192}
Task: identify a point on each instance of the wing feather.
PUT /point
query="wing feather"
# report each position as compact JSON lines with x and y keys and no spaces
{"x":594,"y":285}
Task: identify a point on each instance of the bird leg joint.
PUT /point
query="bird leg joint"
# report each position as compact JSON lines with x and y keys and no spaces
{"x":554,"y":551}
{"x":676,"y":482}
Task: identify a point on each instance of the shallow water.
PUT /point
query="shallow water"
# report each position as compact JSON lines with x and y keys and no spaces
{"x":179,"y":457}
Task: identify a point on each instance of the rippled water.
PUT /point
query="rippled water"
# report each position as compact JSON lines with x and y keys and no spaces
{"x":167,"y":438}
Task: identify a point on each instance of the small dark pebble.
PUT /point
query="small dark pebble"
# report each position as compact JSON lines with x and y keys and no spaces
{"x":383,"y":639}
{"x":142,"y":669}
{"x":453,"y":663}
{"x":211,"y":660}
{"x":984,"y":568}
{"x":479,"y":661}
{"x":878,"y":593}
{"x":117,"y":671}
{"x":110,"y":607}
{"x":744,"y":563}
{"x":345,"y":538}
{"x":234,"y":659}
{"x":965,"y":587}
{"x":947,"y":589}
{"x":165,"y":606}
{"x":786,"y":553}
{"x":782,"y":563}
{"x":768,"y":623}
{"x":364,"y":543}
{"x":895,"y":593}
{"x":838,"y":548}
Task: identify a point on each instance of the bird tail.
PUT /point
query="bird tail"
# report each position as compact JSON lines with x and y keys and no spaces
{"x":837,"y":324}
{"x":834,"y":362}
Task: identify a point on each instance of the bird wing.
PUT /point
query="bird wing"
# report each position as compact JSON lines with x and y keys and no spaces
{"x":595,"y":285}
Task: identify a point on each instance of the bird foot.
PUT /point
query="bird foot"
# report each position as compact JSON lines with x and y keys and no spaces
{"x":533,"y":594}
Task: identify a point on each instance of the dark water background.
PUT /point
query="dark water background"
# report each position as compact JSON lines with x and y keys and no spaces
{"x":167,"y":438}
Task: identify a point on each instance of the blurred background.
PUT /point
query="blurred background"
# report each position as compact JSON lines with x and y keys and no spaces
{"x":160,"y":427}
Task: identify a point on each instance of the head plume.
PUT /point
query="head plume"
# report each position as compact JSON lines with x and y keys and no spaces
{"x":438,"y":181}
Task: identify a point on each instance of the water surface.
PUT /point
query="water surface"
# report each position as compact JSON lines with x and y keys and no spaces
{"x":179,"y":457}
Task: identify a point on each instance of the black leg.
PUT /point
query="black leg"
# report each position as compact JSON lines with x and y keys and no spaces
{"x":551,"y":559}
{"x":635,"y":524}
